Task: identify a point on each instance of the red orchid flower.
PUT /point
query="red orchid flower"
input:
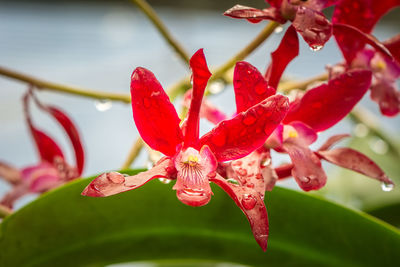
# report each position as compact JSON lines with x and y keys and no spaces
{"x":352,"y":33}
{"x":52,"y":170}
{"x":306,"y":17}
{"x":191,"y":160}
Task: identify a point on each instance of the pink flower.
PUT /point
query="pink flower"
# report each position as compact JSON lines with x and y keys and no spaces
{"x":191,"y":160}
{"x":52,"y":170}
{"x":352,"y":33}
{"x":306,"y":16}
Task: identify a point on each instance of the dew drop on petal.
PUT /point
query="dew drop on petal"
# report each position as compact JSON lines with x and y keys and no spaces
{"x":387,"y":187}
{"x":249,"y":119}
{"x":278,"y":29}
{"x":379,"y":146}
{"x":316,"y":47}
{"x":360,"y":130}
{"x":216,"y":87}
{"x":249,"y":201}
{"x":164,"y":180}
{"x":103,"y":104}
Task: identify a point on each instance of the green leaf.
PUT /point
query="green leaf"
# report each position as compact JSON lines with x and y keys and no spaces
{"x":389,"y":213}
{"x":63,"y":228}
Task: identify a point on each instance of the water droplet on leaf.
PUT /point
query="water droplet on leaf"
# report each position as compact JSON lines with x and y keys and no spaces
{"x":103,"y":104}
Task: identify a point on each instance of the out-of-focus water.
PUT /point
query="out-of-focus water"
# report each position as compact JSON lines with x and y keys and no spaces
{"x":97,"y":46}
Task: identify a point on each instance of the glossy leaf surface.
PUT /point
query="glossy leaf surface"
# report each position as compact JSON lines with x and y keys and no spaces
{"x":150,"y":224}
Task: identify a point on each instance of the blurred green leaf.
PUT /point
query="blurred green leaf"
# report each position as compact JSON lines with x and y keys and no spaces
{"x":389,"y":213}
{"x":63,"y":228}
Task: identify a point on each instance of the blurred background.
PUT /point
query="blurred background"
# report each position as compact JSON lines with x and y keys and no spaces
{"x":97,"y":44}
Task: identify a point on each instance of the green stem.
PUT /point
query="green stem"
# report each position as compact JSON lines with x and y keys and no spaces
{"x":42,"y":84}
{"x":152,"y":15}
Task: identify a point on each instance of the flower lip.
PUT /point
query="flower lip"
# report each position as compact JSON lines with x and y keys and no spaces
{"x":193,"y":197}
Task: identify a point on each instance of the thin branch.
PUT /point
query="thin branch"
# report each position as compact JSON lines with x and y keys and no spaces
{"x":42,"y":84}
{"x":133,"y":153}
{"x":152,"y":15}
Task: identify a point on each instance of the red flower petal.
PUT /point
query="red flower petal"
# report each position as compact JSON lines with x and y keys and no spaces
{"x":247,"y":131}
{"x":332,"y":141}
{"x":72,"y":133}
{"x":200,"y":77}
{"x":351,"y":40}
{"x":41,"y":177}
{"x":252,"y":206}
{"x":287,"y":50}
{"x":15,"y":193}
{"x":47,"y":147}
{"x":207,"y":110}
{"x":113,"y":183}
{"x":351,"y":159}
{"x":362,"y":14}
{"x":250,"y":86}
{"x":284,"y":170}
{"x":307,"y":170}
{"x":313,"y":26}
{"x":154,"y":114}
{"x":387,"y":96}
{"x":254,"y":15}
{"x":305,"y":134}
{"x":325,"y":105}
{"x":393,"y":45}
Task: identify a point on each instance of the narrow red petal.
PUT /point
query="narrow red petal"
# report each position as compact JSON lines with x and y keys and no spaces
{"x":362,"y":14}
{"x":284,"y":171}
{"x":307,"y":170}
{"x":313,"y":26}
{"x":247,"y":131}
{"x":351,"y":159}
{"x":387,"y":96}
{"x":287,"y":50}
{"x":154,"y":114}
{"x":207,"y":110}
{"x":254,"y":15}
{"x":72,"y":133}
{"x":250,"y":86}
{"x":200,"y":77}
{"x":113,"y":183}
{"x":252,"y":205}
{"x":393,"y":45}
{"x":325,"y":105}
{"x":47,"y":147}
{"x":332,"y":141}
{"x":351,"y":40}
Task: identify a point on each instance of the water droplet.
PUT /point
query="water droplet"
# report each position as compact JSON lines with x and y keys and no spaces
{"x":216,"y":87}
{"x":164,"y":180}
{"x":249,"y":119}
{"x":232,"y":181}
{"x":316,"y":47}
{"x":379,"y":146}
{"x":103,"y":104}
{"x":115,"y":177}
{"x":266,"y":162}
{"x":259,"y":176}
{"x":248,"y":201}
{"x":237,"y":163}
{"x":250,"y":185}
{"x":360,"y":130}
{"x":387,"y":187}
{"x":260,"y":88}
{"x":242,"y":172}
{"x":278,"y":29}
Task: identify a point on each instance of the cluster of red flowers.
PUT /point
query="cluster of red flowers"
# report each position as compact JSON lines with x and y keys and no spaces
{"x":235,"y":154}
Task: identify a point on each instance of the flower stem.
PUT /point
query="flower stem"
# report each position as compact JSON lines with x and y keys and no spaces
{"x":152,"y":15}
{"x":4,"y":211}
{"x":133,"y":153}
{"x":285,"y":87}
{"x":42,"y":84}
